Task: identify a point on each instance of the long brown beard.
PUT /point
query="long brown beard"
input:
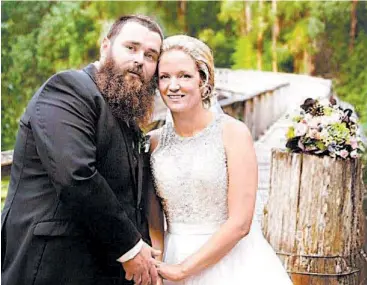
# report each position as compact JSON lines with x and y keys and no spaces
{"x":129,"y":98}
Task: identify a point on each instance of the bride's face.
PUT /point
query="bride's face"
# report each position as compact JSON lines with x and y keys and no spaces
{"x":179,"y":81}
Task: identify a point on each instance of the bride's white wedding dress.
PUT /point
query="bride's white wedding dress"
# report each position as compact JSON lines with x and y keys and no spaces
{"x":191,"y":178}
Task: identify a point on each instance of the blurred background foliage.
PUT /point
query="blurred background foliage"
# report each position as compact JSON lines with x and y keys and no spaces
{"x":326,"y":39}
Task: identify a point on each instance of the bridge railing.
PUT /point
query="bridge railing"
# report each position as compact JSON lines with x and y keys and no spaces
{"x":254,"y":99}
{"x":260,"y":98}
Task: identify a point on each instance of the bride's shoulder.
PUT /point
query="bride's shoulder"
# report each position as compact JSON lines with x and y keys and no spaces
{"x":233,"y":126}
{"x":235,"y":131}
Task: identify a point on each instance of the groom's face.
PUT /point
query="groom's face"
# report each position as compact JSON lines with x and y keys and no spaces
{"x":134,"y":51}
{"x":128,"y":63}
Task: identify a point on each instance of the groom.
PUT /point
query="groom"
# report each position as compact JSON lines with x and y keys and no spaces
{"x":74,"y":213}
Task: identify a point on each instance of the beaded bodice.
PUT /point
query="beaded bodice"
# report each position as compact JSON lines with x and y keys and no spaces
{"x":190,"y":174}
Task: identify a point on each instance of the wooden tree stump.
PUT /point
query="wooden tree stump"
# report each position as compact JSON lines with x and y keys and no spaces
{"x":314,"y":218}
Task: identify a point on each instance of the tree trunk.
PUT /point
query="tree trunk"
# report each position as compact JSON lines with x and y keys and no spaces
{"x":248,"y":16}
{"x":306,"y":57}
{"x":260,"y":36}
{"x":353,"y":24}
{"x":311,"y":60}
{"x":275,"y":34}
{"x":298,"y":62}
{"x":159,"y":4}
{"x":181,"y":13}
{"x":314,"y":218}
{"x":243,"y":20}
{"x":308,"y":65}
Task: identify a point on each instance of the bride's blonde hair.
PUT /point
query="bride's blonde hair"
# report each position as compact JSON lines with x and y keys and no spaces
{"x":203,"y":57}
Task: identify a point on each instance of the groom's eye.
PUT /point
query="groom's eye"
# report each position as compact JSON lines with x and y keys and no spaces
{"x":151,"y":57}
{"x":130,"y":47}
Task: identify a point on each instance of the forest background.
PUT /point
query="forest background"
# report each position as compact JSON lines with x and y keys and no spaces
{"x":325,"y":39}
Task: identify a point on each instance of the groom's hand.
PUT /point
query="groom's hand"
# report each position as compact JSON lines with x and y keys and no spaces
{"x":141,"y":268}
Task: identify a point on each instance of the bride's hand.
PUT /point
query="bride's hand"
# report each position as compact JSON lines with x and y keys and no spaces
{"x":172,"y":272}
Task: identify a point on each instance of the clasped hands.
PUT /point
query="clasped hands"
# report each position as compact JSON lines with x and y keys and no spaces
{"x":144,"y":269}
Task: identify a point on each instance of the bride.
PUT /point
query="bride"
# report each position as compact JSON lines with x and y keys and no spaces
{"x":205,"y":173}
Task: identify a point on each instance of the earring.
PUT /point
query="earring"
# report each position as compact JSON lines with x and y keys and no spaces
{"x":205,"y":94}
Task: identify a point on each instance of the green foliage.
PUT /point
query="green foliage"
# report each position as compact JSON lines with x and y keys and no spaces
{"x":291,"y":133}
{"x":19,"y":75}
{"x":232,"y":15}
{"x":202,"y":15}
{"x":320,"y":145}
{"x":77,"y":40}
{"x":244,"y":56}
{"x":352,"y":82}
{"x":338,"y":132}
{"x":38,"y":46}
{"x":221,"y":45}
{"x":38,"y":41}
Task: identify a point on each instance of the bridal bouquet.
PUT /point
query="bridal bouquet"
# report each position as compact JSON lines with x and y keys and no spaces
{"x":322,"y":127}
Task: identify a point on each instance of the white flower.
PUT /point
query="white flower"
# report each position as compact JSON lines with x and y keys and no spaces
{"x":314,"y":122}
{"x":328,"y":120}
{"x":301,"y":129}
{"x":354,"y":154}
{"x":308,"y":117}
{"x":324,"y":134}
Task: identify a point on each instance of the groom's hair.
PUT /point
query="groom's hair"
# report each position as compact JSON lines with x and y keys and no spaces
{"x":140,"y":19}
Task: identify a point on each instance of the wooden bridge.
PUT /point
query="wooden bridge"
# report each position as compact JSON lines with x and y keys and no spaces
{"x":261,"y":100}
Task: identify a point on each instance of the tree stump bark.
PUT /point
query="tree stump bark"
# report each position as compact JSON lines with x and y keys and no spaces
{"x":314,"y":218}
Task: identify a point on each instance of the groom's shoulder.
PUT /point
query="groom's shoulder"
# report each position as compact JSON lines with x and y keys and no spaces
{"x":75,"y":83}
{"x":69,"y":77}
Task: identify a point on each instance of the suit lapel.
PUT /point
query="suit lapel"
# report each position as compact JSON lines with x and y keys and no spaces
{"x":139,"y":167}
{"x":140,"y":181}
{"x":129,"y":150}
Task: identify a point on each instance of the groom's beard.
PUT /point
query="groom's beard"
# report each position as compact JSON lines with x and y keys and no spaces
{"x":130,"y":98}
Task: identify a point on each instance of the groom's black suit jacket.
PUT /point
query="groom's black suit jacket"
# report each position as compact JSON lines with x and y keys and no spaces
{"x":75,"y":201}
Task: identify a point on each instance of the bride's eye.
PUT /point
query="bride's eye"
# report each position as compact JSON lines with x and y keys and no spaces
{"x":163,"y":76}
{"x":186,"y":76}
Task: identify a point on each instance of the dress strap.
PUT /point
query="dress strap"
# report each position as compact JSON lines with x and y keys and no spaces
{"x":163,"y":137}
{"x":165,"y":134}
